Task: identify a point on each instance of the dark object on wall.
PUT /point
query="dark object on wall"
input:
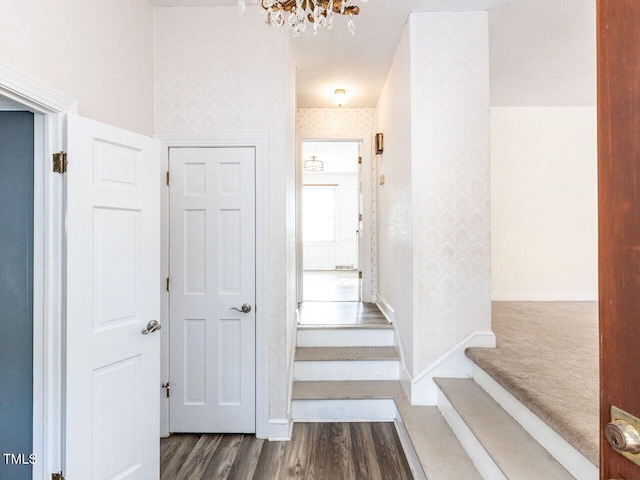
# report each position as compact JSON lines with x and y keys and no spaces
{"x":378,"y":143}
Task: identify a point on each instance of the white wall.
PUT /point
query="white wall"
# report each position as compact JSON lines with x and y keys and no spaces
{"x":544,"y":203}
{"x":395,"y":245}
{"x":97,"y":52}
{"x":218,"y":72}
{"x":342,"y":251}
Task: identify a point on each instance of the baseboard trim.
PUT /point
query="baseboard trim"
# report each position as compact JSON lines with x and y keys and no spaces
{"x":386,"y":309}
{"x":565,"y":453}
{"x":280,"y":429}
{"x":544,"y":296}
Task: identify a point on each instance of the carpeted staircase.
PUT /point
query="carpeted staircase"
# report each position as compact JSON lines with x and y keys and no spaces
{"x":483,"y":427}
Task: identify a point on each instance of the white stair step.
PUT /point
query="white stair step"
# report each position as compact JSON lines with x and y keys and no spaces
{"x":344,"y":410}
{"x":353,"y":370}
{"x":499,"y":447}
{"x":429,"y":442}
{"x":346,"y":336}
{"x":346,"y":390}
{"x":346,"y":353}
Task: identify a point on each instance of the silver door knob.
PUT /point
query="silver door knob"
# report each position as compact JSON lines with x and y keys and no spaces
{"x":152,"y":326}
{"x":246,"y":308}
{"x":622,"y":436}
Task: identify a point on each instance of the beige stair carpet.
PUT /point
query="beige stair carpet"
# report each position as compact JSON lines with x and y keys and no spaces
{"x":547,"y":357}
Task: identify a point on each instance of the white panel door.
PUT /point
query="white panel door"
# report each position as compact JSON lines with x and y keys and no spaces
{"x":113,"y":270}
{"x":212,"y":265}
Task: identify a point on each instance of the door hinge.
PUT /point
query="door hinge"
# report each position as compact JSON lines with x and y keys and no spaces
{"x":168,"y":387}
{"x":60,"y":162}
{"x":167,"y":178}
{"x":167,"y":284}
{"x":57,"y":476}
{"x":359,"y":274}
{"x":360,"y":217}
{"x":359,"y":159}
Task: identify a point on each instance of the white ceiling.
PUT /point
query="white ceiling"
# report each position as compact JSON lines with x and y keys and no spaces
{"x":542,"y":51}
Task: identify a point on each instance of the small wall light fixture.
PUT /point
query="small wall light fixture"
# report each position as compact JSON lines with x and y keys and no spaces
{"x":378,"y":143}
{"x":339,"y":96}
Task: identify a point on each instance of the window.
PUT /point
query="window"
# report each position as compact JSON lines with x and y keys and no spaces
{"x":318,"y":214}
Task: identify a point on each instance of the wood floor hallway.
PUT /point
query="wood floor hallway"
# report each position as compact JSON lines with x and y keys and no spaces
{"x":317,"y":451}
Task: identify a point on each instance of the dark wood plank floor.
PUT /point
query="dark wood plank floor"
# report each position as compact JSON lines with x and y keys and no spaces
{"x":317,"y":451}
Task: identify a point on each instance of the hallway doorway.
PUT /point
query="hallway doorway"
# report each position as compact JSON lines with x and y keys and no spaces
{"x":331,"y":221}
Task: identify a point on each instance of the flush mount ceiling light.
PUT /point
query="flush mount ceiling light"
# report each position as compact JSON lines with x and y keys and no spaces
{"x":339,"y":96}
{"x":301,"y":15}
{"x":314,"y":165}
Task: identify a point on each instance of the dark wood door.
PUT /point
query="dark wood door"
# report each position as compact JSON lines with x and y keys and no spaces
{"x":619,"y":219}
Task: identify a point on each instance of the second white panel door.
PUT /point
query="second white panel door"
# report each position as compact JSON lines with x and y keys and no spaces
{"x":212,"y":271}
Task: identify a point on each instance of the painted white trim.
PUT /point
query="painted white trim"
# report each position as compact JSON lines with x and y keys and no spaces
{"x":453,"y":364}
{"x":164,"y":295}
{"x":544,"y":296}
{"x":48,"y":307}
{"x":365,"y":137}
{"x":386,"y":309}
{"x":570,"y":458}
{"x":390,"y":314}
{"x":292,"y":358}
{"x":36,"y":97}
{"x":261,"y":145}
{"x":280,"y":429}
{"x":38,"y":292}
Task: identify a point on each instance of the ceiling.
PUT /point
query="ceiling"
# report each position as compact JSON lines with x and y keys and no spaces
{"x":542,"y":52}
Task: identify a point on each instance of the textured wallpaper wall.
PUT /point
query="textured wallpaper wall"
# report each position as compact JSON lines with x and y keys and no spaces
{"x":395,"y":261}
{"x":451,"y":179}
{"x":218,"y":72}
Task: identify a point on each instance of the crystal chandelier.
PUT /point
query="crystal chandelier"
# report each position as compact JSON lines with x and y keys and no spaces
{"x":301,"y":15}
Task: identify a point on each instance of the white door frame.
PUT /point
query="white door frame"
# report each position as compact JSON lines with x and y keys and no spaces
{"x":260,"y":143}
{"x":366,"y":178}
{"x":50,"y":109}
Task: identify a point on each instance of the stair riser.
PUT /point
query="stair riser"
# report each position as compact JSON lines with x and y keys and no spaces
{"x":345,"y":337}
{"x":357,"y":370}
{"x":359,"y":410}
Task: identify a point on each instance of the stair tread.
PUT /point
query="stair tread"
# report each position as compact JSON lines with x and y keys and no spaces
{"x":322,"y":390}
{"x":439,"y":451}
{"x":345,"y":353}
{"x":514,"y":451}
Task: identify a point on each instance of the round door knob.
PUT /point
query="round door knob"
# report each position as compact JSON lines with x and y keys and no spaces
{"x":622,"y":436}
